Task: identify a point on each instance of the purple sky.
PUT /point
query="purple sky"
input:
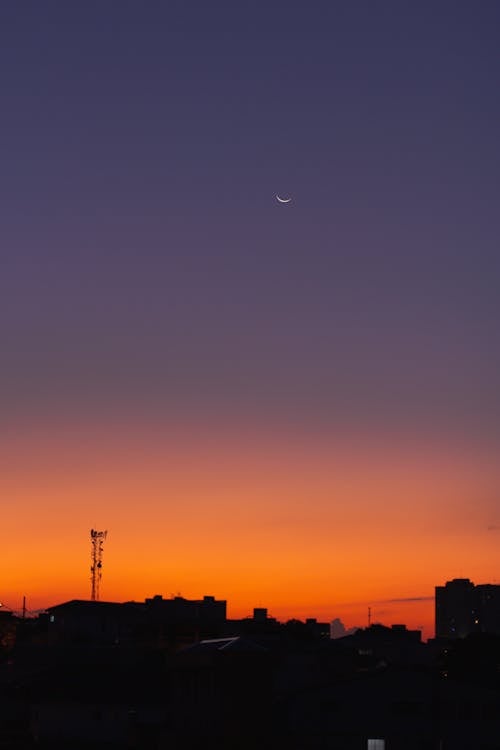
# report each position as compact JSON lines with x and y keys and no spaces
{"x":146,"y":265}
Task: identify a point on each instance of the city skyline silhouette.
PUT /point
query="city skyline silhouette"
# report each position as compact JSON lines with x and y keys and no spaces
{"x":292,"y":406}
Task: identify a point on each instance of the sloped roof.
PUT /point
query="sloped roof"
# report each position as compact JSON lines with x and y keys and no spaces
{"x":83,"y":603}
{"x":233,"y":644}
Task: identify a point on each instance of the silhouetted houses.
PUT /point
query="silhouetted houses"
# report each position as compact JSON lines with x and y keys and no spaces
{"x":222,"y":689}
{"x":79,"y":622}
{"x":318,"y":629}
{"x":8,"y":625}
{"x":260,"y":614}
{"x":88,"y":696}
{"x":260,"y":624}
{"x":156,"y":621}
{"x":284,"y":687}
{"x":186,"y":620}
{"x":378,"y":646}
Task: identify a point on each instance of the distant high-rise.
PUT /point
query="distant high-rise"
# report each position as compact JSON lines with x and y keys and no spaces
{"x":463,"y":608}
{"x":455,"y":609}
{"x":488,"y":607}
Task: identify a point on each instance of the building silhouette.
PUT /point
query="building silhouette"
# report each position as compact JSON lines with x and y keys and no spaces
{"x":461,"y":608}
{"x":175,"y":673}
{"x":156,"y":621}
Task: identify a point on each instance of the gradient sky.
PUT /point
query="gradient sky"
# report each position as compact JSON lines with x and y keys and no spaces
{"x":293,"y":406}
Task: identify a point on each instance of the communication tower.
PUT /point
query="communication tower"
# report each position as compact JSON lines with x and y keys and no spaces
{"x":97,"y":543}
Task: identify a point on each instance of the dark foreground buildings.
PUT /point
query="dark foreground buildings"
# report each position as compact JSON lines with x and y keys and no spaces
{"x":176,"y":674}
{"x":463,"y":608}
{"x":156,"y":621}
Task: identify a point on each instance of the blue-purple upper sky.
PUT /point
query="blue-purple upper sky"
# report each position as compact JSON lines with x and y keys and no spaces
{"x":146,"y":264}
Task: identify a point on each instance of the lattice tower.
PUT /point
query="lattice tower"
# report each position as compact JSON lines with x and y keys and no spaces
{"x":97,"y":543}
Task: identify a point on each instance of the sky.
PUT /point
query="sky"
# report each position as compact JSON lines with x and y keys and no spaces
{"x":284,"y":405}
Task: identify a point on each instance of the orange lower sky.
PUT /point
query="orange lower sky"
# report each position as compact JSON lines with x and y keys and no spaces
{"x":323,"y":525}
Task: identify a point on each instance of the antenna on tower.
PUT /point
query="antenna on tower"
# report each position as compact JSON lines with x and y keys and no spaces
{"x":97,"y":542}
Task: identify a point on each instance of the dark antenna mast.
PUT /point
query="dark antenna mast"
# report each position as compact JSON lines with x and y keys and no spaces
{"x":97,"y":543}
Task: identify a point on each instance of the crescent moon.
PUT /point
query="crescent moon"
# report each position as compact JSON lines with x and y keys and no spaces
{"x":283,"y":200}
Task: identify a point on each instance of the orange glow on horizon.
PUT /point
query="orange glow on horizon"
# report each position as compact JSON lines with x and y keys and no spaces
{"x":321,"y":528}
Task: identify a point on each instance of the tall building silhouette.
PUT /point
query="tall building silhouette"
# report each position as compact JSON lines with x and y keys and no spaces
{"x":462,"y":608}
